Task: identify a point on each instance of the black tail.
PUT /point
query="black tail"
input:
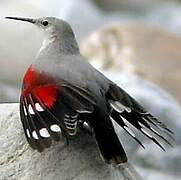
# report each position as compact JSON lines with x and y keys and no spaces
{"x":108,"y":141}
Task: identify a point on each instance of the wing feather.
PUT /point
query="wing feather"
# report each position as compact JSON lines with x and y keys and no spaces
{"x":42,"y":123}
{"x":125,"y":107}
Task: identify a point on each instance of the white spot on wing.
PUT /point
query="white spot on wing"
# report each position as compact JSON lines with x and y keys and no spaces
{"x":72,"y":133}
{"x":30,"y":109}
{"x":140,"y":124}
{"x":70,"y":120}
{"x":83,"y":111}
{"x":124,"y":120}
{"x":44,"y":133}
{"x":145,"y":113}
{"x":146,"y":132}
{"x":55,"y":128}
{"x":111,"y":119}
{"x":75,"y":116}
{"x":117,"y":106}
{"x":28,"y":133}
{"x":34,"y":134}
{"x":155,"y":131}
{"x":87,"y":126}
{"x":69,"y":123}
{"x":38,"y":107}
{"x":25,"y":110}
{"x":130,"y":131}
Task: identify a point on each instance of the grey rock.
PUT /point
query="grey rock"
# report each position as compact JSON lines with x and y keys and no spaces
{"x":78,"y":161}
{"x":81,"y":159}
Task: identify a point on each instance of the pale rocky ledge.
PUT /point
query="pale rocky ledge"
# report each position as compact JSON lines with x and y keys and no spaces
{"x":78,"y":161}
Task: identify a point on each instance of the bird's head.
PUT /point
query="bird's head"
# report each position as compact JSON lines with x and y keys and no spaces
{"x":50,"y":25}
{"x":56,"y":30}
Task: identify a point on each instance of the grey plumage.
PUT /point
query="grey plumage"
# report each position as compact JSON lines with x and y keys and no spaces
{"x":76,"y":89}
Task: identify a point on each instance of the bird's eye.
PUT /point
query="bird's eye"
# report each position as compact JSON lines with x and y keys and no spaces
{"x":45,"y":23}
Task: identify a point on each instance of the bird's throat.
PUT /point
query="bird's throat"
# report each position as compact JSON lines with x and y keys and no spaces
{"x":47,"y":42}
{"x":59,"y":44}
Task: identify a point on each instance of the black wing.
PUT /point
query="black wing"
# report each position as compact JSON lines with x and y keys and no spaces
{"x":42,"y":122}
{"x":127,"y":112}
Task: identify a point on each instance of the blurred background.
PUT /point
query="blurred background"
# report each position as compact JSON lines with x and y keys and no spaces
{"x":136,"y":43}
{"x":140,"y":35}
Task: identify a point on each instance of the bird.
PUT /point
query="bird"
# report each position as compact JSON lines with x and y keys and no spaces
{"x":62,"y":93}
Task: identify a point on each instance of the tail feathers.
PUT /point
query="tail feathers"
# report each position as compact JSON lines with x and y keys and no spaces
{"x":109,"y":144}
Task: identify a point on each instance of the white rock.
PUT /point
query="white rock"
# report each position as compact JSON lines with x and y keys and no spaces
{"x":78,"y":161}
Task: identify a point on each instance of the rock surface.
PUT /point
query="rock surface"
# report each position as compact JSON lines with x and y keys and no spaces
{"x":81,"y":159}
{"x":78,"y":161}
{"x":140,"y":49}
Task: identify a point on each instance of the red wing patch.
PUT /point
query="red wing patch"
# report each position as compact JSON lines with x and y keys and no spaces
{"x":34,"y":78}
{"x":47,"y":94}
{"x":49,"y":110}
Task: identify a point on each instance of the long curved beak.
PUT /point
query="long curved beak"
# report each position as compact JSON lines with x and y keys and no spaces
{"x":22,"y":19}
